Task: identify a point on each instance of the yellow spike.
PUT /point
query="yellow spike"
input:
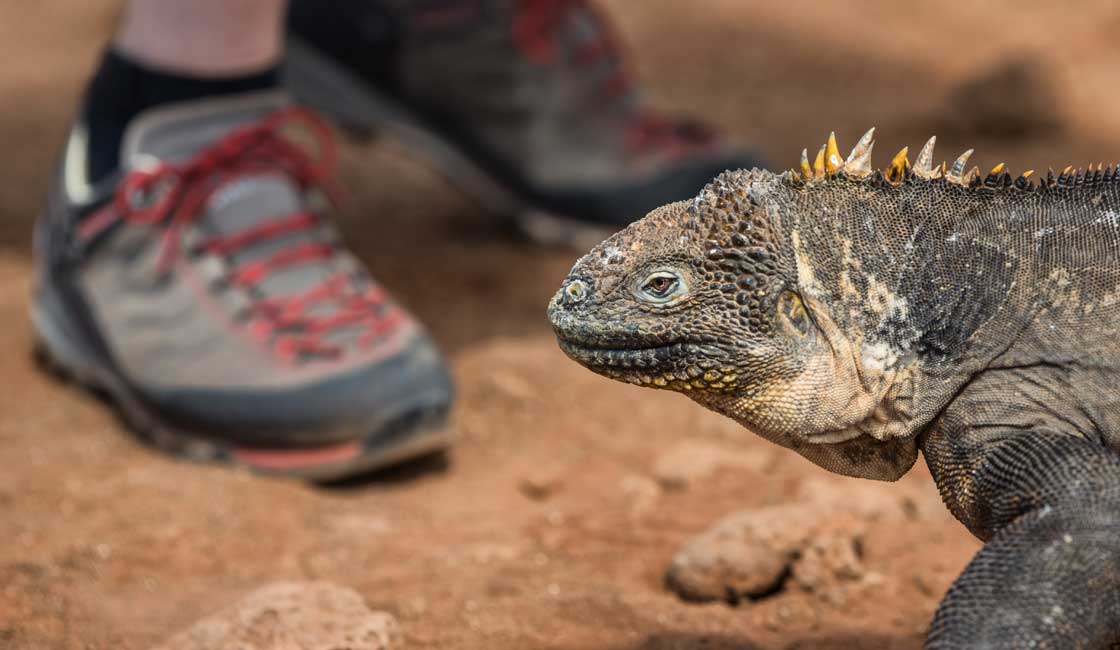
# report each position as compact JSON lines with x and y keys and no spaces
{"x":818,"y":164}
{"x":1028,"y":173}
{"x":794,"y":175}
{"x":900,"y":159}
{"x":806,"y":170}
{"x":1068,"y":169}
{"x":997,"y":169}
{"x":832,"y":160}
{"x":896,"y":171}
{"x":944,"y":169}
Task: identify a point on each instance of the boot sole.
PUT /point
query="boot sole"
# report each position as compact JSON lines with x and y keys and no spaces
{"x":319,"y":82}
{"x":61,"y":351}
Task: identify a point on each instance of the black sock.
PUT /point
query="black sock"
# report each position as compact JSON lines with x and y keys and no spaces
{"x":122,"y":89}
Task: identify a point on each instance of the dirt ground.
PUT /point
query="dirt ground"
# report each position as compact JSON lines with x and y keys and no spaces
{"x":553,"y":522}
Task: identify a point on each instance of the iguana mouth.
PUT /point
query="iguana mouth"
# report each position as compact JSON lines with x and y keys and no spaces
{"x":645,"y":358}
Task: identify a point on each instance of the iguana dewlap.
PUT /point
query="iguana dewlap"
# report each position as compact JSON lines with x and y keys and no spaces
{"x":859,"y":316}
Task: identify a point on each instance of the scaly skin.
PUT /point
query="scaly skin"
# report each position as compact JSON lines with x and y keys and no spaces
{"x":860,"y":317}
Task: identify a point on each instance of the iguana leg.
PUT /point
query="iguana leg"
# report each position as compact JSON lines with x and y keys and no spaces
{"x":1048,"y":505}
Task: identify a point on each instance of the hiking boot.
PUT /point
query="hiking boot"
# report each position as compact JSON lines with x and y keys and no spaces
{"x":525,"y":104}
{"x":202,"y":290}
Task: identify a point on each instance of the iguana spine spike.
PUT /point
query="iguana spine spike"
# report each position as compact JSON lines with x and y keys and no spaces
{"x":832,"y":160}
{"x":857,"y":166}
{"x":860,"y":167}
{"x":972,"y":177}
{"x":923,"y":166}
{"x":955,"y":173}
{"x":863,"y":147}
{"x":900,"y":164}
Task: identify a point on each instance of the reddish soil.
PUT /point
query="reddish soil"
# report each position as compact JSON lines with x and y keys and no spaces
{"x":547,"y":528}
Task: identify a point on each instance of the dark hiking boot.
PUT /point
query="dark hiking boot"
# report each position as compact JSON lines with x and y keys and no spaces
{"x":523,"y":103}
{"x":202,"y":290}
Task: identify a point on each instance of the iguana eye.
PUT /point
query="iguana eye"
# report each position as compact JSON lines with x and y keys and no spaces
{"x":661,"y":287}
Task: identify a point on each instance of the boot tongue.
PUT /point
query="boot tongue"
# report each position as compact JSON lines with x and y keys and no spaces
{"x":177,"y":132}
{"x":250,"y":200}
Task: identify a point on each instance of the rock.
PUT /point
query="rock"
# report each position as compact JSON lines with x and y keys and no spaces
{"x":293,"y":616}
{"x":745,"y":555}
{"x":688,"y":462}
{"x":814,"y":543}
{"x":829,"y":559}
{"x":816,"y":540}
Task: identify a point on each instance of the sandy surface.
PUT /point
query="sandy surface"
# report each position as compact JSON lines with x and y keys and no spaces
{"x":553,"y":523}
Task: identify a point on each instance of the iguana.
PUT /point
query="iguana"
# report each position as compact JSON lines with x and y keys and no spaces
{"x":860,"y":316}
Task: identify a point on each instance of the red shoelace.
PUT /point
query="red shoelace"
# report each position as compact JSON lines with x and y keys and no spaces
{"x":535,"y":27}
{"x":176,"y":194}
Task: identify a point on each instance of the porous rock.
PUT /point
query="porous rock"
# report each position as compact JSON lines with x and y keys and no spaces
{"x":292,"y":616}
{"x":745,"y":555}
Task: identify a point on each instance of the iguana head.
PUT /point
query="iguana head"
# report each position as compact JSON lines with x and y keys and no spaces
{"x":701,"y":297}
{"x":720,"y":298}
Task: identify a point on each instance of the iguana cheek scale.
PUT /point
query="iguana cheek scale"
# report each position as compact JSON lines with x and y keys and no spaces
{"x":861,"y":316}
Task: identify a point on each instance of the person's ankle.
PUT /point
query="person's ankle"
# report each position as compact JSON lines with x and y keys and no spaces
{"x":122,"y":88}
{"x":202,"y":38}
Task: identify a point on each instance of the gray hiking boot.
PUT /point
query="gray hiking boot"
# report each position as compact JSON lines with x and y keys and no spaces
{"x":524,"y":103}
{"x":201,"y":290}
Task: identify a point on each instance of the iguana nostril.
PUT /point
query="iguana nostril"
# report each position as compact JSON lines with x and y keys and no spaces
{"x":575,"y":292}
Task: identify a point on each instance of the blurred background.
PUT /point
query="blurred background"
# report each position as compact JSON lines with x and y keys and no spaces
{"x":568,"y":496}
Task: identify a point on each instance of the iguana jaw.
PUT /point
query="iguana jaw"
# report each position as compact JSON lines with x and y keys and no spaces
{"x":656,"y":364}
{"x":624,"y":357}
